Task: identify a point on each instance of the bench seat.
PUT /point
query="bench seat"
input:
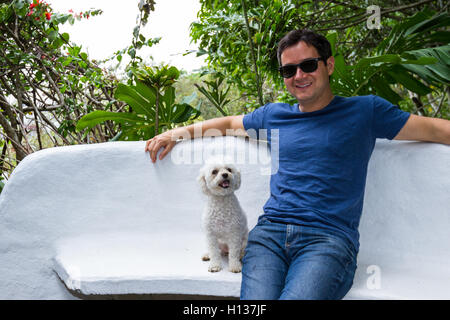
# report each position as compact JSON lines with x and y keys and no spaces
{"x":119,"y":264}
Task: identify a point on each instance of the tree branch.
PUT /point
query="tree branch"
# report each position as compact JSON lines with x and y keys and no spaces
{"x":252,"y":53}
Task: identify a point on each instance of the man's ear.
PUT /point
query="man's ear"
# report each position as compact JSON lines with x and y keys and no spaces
{"x":330,"y":65}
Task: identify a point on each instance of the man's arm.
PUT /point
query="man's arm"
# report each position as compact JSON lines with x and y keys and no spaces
{"x":425,"y":129}
{"x":231,"y":125}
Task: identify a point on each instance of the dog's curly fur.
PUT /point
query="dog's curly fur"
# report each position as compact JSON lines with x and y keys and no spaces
{"x":224,"y":221}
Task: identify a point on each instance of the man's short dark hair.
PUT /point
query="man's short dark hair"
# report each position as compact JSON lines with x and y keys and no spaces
{"x":310,"y":37}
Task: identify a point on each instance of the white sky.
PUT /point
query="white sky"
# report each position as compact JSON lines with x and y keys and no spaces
{"x":111,"y":31}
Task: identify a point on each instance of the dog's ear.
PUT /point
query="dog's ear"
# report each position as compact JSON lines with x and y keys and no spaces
{"x":202,"y":182}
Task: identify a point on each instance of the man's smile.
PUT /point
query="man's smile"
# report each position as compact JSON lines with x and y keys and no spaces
{"x":303,"y":85}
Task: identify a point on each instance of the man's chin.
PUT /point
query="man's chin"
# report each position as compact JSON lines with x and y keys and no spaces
{"x":304,"y":99}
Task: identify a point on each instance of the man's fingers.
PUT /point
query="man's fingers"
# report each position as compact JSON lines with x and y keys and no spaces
{"x":154,"y":148}
{"x":154,"y":144}
{"x":147,"y":144}
{"x":151,"y":149}
{"x":166,"y":150}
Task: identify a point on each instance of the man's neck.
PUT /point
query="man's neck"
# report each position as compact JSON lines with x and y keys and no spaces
{"x":310,"y":106}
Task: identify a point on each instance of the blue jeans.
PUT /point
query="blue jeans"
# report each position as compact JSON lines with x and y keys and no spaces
{"x":285,"y":261}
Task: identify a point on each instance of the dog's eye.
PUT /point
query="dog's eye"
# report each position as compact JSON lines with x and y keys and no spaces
{"x":214,"y":171}
{"x":229,"y":169}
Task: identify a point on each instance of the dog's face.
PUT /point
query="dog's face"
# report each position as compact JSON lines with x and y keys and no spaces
{"x":219,"y":178}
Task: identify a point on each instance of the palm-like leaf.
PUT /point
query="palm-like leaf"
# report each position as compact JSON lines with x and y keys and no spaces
{"x":140,"y":122}
{"x":399,"y":59}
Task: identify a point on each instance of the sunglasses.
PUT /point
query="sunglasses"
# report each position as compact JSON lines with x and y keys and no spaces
{"x":308,"y":66}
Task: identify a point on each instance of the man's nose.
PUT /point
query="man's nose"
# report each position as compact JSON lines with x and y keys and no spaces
{"x":299,"y":73}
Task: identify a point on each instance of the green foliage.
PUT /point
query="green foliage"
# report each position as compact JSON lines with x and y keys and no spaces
{"x":152,"y":105}
{"x":52,"y":94}
{"x":139,"y":41}
{"x":215,"y":94}
{"x":44,"y":78}
{"x":399,"y":60}
{"x":157,"y":77}
{"x":407,"y":56}
{"x":222,"y":34}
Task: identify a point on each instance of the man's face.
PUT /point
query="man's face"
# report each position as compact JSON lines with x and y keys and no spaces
{"x":308,"y":88}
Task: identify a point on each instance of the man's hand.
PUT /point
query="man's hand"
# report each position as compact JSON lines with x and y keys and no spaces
{"x":230,"y":125}
{"x":163,"y":140}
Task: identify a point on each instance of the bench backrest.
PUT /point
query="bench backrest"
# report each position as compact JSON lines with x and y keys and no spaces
{"x":70,"y":191}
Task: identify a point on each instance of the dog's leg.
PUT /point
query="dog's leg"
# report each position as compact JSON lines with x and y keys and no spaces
{"x":234,"y":261}
{"x":215,"y":263}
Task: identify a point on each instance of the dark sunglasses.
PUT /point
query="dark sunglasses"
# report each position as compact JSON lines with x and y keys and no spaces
{"x":308,"y":66}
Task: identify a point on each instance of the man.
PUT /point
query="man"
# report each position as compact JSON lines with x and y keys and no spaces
{"x":305,"y":244}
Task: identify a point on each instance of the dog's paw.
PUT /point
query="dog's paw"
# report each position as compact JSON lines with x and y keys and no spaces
{"x":214,"y":268}
{"x":205,"y":257}
{"x":235,"y":267}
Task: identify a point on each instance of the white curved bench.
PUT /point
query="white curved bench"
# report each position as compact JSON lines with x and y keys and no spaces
{"x":103,"y":220}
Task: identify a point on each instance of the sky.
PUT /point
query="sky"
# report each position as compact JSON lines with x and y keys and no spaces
{"x":102,"y":35}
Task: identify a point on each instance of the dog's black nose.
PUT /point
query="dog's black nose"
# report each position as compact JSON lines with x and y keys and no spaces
{"x":224,"y":175}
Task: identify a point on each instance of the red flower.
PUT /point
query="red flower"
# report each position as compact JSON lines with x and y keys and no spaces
{"x":33,"y":5}
{"x":48,"y":15}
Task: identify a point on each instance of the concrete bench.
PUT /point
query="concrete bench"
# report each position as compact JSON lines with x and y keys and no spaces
{"x":101,"y":220}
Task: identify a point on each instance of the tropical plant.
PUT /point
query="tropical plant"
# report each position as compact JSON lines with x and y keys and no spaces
{"x":215,"y":93}
{"x":152,"y":105}
{"x":158,"y":78}
{"x":400,"y":59}
{"x":240,"y":39}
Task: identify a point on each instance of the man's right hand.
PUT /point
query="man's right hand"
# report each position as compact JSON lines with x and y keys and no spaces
{"x":163,"y":140}
{"x":211,"y":127}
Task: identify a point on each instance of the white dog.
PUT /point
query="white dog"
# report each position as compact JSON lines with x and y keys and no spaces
{"x":224,"y":221}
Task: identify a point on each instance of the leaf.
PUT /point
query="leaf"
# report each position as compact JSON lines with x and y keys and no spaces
{"x":131,"y":96}
{"x":53,"y":35}
{"x":384,"y":90}
{"x":147,"y":92}
{"x":440,"y":20}
{"x":169,"y":96}
{"x":342,"y":77}
{"x":402,"y":76}
{"x":132,"y":52}
{"x":96,"y":117}
{"x":437,"y":73}
{"x":332,"y":38}
{"x":378,"y":60}
{"x":182,"y":112}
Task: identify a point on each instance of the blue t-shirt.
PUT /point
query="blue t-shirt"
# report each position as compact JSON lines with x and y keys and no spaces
{"x":322,"y":159}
